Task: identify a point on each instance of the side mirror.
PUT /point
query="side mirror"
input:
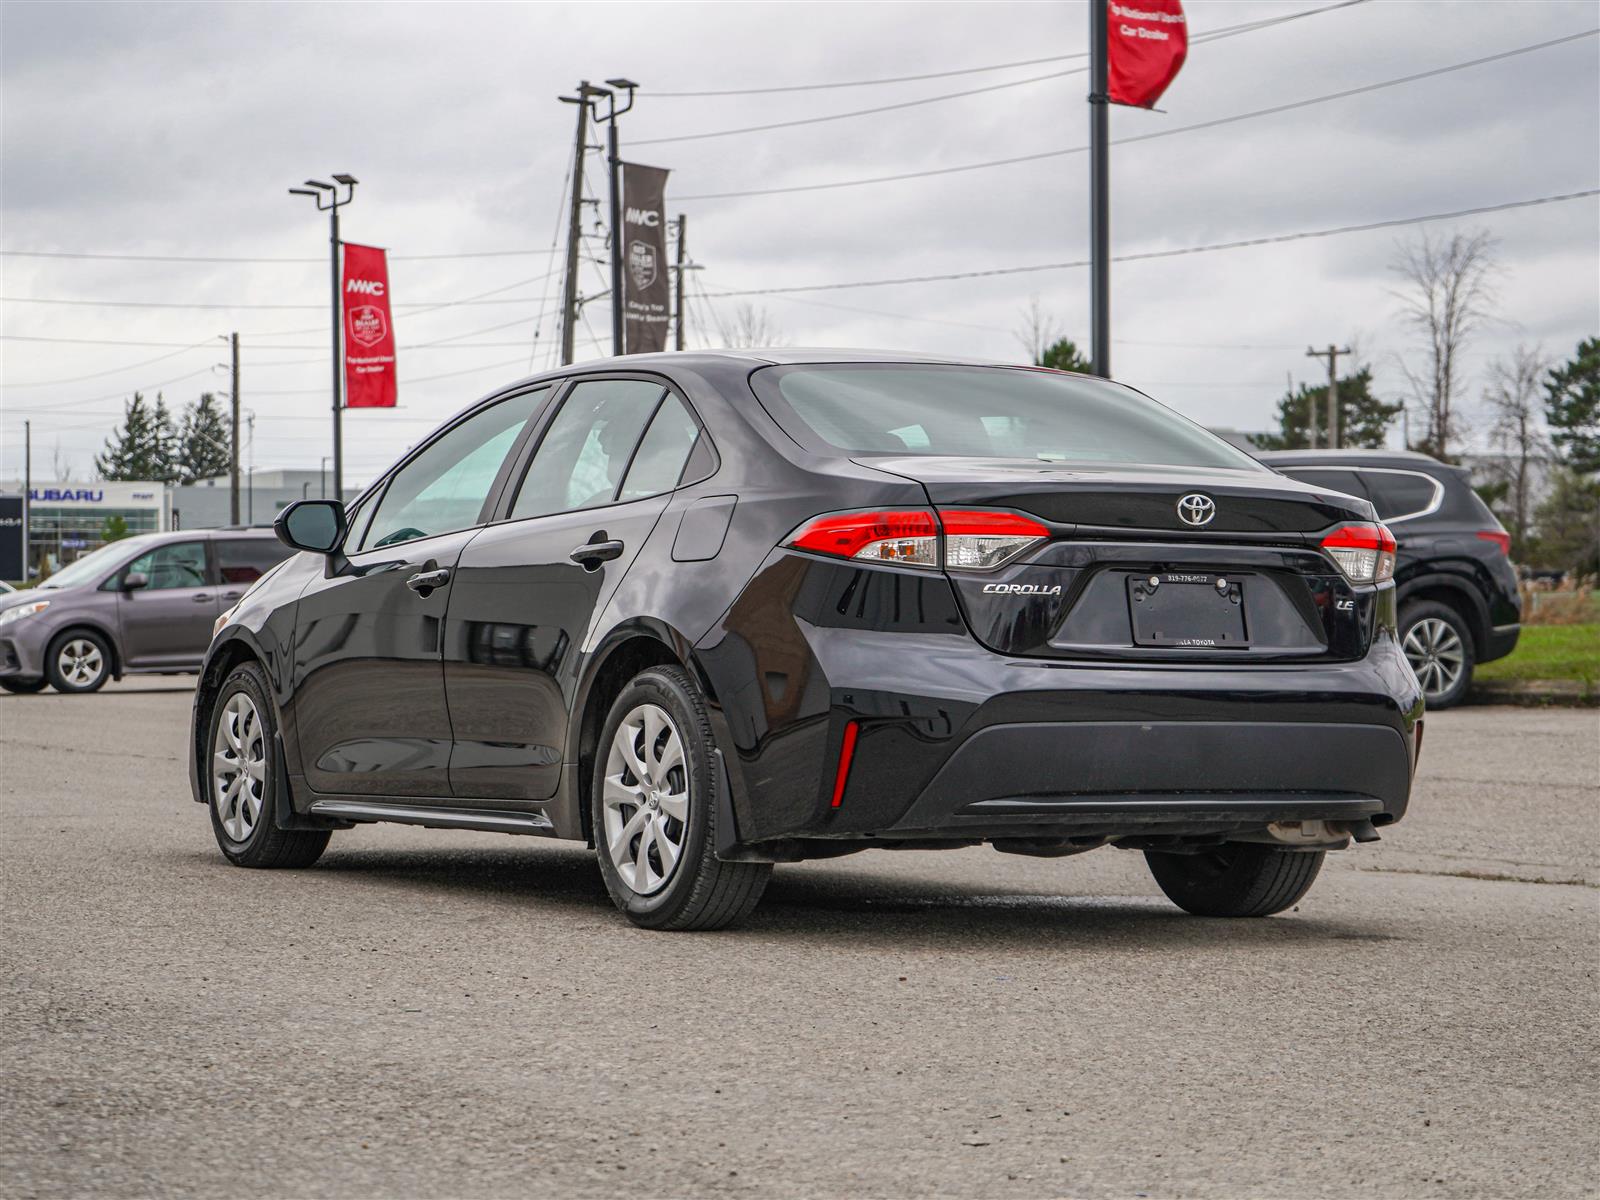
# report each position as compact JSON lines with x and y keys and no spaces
{"x":134,"y":580}
{"x":315,"y":525}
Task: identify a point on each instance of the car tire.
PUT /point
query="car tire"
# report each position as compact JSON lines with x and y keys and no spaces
{"x":1438,"y":645}
{"x":21,"y":687}
{"x":78,"y":660}
{"x":654,"y":811}
{"x":241,"y":770}
{"x":1237,"y":879}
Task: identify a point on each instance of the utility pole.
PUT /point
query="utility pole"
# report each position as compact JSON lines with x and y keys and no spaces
{"x":233,"y":449}
{"x":330,"y":193}
{"x":27,"y":493}
{"x":1332,"y":355}
{"x":614,"y":174}
{"x":683,"y":224}
{"x":569,"y":297}
{"x":1099,"y":192}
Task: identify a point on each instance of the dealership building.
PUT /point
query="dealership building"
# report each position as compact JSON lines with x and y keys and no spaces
{"x":66,"y":520}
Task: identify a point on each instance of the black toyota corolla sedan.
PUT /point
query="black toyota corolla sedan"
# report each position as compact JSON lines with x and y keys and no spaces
{"x":709,"y":612}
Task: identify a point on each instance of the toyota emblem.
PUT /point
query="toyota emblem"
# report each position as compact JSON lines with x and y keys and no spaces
{"x":1195,"y":509}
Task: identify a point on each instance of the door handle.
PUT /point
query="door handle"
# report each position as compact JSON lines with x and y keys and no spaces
{"x":423,"y":582}
{"x":592,"y":554}
{"x":202,"y":598}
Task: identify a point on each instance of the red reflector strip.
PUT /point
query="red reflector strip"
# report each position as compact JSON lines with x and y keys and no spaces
{"x":1499,"y":537}
{"x":847,"y":751}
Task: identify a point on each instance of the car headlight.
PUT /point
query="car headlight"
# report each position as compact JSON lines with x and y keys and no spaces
{"x":23,"y":610}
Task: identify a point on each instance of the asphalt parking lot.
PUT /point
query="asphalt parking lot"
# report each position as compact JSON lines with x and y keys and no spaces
{"x":434,"y":1013}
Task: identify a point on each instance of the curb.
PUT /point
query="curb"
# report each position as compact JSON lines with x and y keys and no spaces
{"x":1535,"y":693}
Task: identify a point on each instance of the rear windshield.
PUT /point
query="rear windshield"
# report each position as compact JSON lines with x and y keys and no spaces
{"x":984,"y":412}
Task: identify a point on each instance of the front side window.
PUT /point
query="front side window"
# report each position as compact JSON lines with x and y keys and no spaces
{"x":983,"y":412}
{"x":179,"y":565}
{"x":444,"y":488}
{"x":586,"y":449}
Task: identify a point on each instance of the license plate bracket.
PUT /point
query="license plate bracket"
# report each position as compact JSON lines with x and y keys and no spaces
{"x":1195,"y":610}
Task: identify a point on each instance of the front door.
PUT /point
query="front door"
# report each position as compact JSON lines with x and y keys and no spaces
{"x":167,"y":622}
{"x":368,"y":699}
{"x":528,"y":589}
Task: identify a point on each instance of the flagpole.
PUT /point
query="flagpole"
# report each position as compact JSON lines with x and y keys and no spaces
{"x":1099,"y":192}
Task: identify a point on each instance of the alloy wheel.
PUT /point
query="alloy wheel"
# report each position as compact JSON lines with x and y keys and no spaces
{"x":239,"y":767}
{"x":80,"y":662}
{"x":646,"y":799}
{"x":1436,"y":654}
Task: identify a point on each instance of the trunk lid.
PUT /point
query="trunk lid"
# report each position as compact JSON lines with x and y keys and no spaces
{"x":1124,"y":576}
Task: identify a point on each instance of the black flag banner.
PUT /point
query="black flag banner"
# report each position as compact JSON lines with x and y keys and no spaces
{"x":644,"y":259}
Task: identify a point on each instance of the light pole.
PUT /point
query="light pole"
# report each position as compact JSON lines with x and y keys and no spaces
{"x":327,"y":197}
{"x":614,"y":165}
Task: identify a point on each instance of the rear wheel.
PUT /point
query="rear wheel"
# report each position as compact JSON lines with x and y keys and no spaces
{"x":1438,"y":646}
{"x":241,"y":775}
{"x":1237,"y":879}
{"x":654,"y":811}
{"x":22,"y":687}
{"x":78,"y":661}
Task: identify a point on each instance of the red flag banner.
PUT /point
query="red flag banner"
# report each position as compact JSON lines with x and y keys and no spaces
{"x":369,"y":378}
{"x":1146,"y":43}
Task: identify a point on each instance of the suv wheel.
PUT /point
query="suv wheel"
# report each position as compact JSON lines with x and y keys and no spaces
{"x":78,"y":661}
{"x":1438,"y":646}
{"x":241,"y":773}
{"x":22,"y":687}
{"x":1237,"y":879}
{"x":654,"y":811}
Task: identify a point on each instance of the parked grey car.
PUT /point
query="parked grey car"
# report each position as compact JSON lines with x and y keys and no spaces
{"x":142,"y":605}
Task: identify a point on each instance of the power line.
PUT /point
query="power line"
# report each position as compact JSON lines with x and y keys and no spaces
{"x":1150,"y":254}
{"x":201,"y":258}
{"x":1143,"y":137}
{"x":112,"y":371}
{"x":1198,"y":39}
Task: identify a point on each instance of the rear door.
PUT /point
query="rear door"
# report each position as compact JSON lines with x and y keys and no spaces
{"x":167,"y":623}
{"x":368,"y":702}
{"x":528,"y":587}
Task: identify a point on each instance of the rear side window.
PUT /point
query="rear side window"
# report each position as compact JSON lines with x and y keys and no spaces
{"x":241,"y":560}
{"x":1400,"y":493}
{"x":1328,"y":480}
{"x":984,"y":412}
{"x":587,"y":447}
{"x":658,"y":465}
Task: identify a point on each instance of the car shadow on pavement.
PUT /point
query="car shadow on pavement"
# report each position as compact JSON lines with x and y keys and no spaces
{"x":824,"y":903}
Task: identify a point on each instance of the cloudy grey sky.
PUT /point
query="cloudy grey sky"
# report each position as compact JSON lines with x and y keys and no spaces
{"x":174,"y":129}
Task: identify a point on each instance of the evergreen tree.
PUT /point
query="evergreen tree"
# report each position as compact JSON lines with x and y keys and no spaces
{"x":1364,"y":419}
{"x":1063,"y":355}
{"x":1572,"y":408}
{"x":203,"y":442}
{"x":143,"y":447}
{"x":114,"y":529}
{"x":1568,"y":520}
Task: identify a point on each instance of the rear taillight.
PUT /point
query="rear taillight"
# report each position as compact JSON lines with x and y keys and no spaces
{"x":1364,"y":552}
{"x":909,"y":539}
{"x":1499,"y":537}
{"x":974,"y":539}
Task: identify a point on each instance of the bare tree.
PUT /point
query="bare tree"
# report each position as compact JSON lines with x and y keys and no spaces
{"x":1448,"y":298}
{"x":1038,"y":331}
{"x":60,"y":465}
{"x":750,"y":326}
{"x":1516,"y":398}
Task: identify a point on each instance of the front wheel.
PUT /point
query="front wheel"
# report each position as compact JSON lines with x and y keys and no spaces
{"x":21,"y":687}
{"x":241,"y":773}
{"x":78,"y":661}
{"x":1236,"y":879}
{"x":653,"y":803}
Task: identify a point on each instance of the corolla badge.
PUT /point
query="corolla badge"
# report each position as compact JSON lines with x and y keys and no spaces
{"x":1195,"y":509}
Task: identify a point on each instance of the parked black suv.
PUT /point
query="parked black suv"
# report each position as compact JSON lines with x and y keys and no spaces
{"x":714,"y":611}
{"x":1459,"y":603}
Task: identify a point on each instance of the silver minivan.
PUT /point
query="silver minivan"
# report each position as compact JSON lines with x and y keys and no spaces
{"x":142,"y":605}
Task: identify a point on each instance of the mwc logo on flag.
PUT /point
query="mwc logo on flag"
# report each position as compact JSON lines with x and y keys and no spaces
{"x":1146,"y":43}
{"x":369,"y":365}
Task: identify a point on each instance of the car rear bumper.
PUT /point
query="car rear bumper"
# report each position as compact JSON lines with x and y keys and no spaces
{"x":1502,"y":640}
